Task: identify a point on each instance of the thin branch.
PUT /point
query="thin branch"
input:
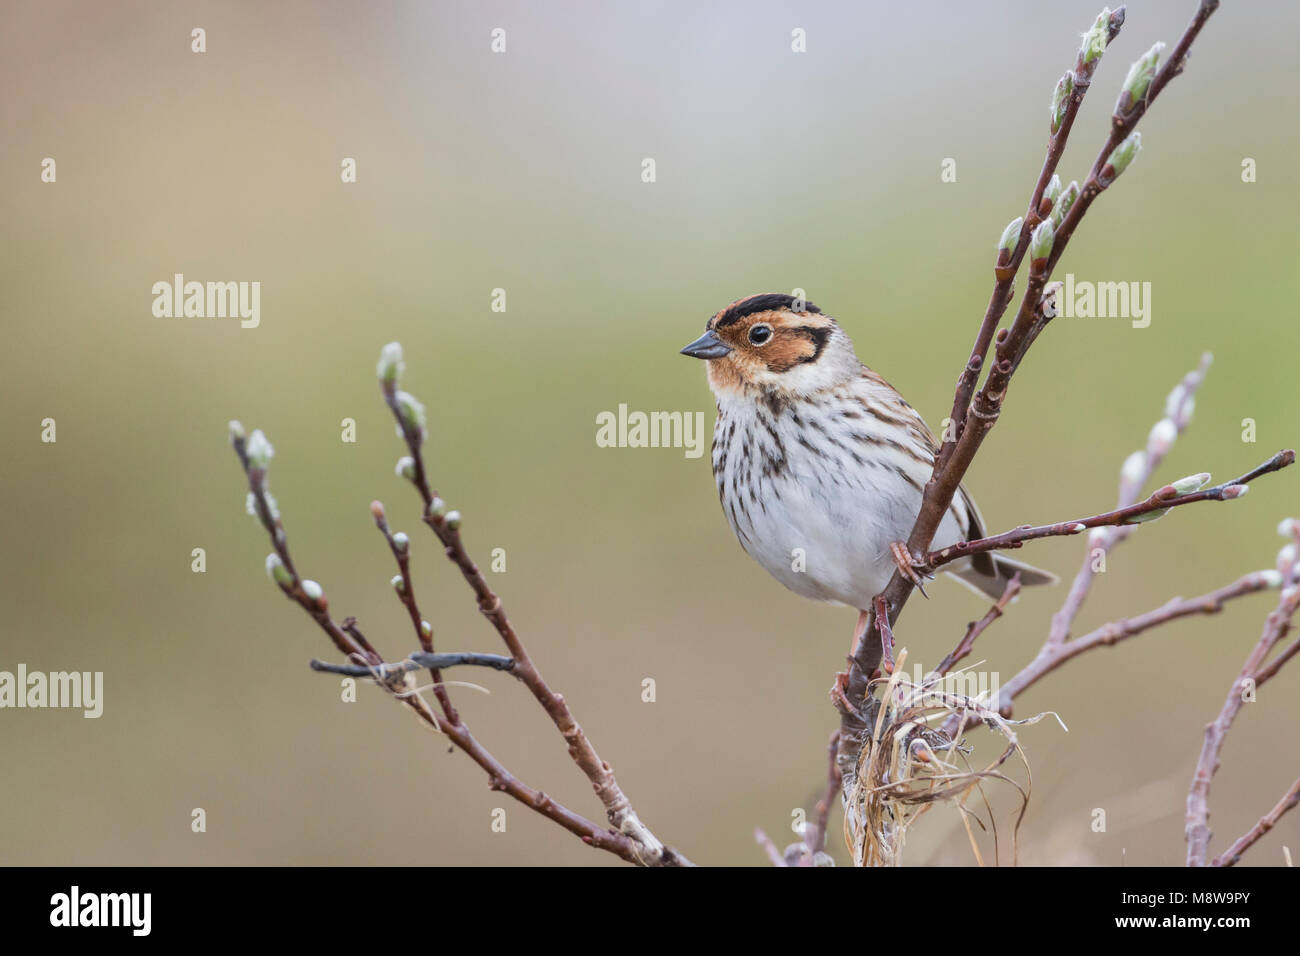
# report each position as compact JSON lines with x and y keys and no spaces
{"x":1137,"y":471}
{"x":1276,"y":627}
{"x":1152,"y":508}
{"x":446,"y":526}
{"x":311,"y":597}
{"x":976,"y":628}
{"x":385,"y":671}
{"x":1232,"y":855}
{"x":952,"y":463}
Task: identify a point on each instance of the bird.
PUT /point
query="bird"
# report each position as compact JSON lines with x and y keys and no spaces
{"x":820,"y":463}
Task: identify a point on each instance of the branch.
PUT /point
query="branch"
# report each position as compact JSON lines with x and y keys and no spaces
{"x":446,"y":526}
{"x":1043,"y":245}
{"x":383,"y":673}
{"x":1154,"y":507}
{"x":1276,"y":627}
{"x":1232,"y":855}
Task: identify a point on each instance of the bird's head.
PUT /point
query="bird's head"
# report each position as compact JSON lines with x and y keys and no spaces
{"x":774,"y":343}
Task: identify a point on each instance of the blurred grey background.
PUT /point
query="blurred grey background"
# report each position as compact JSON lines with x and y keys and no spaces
{"x":522,"y":171}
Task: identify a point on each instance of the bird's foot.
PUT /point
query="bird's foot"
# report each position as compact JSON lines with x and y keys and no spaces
{"x":908,"y":566}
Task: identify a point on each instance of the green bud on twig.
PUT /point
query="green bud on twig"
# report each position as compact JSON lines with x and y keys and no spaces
{"x":399,"y":585}
{"x":236,"y":433}
{"x":453,"y":520}
{"x":412,"y":413}
{"x":1138,"y":81}
{"x":1061,"y":207}
{"x":1061,"y":100}
{"x":1053,"y":190}
{"x":426,"y":630}
{"x":401,"y":542}
{"x":1119,"y":158}
{"x":276,"y":570}
{"x":1097,"y":38}
{"x":1011,"y":236}
{"x":437,"y":508}
{"x":1040,"y":243}
{"x":1185,"y":486}
{"x":391,"y":365}
{"x":1148,"y":516}
{"x":259,"y":451}
{"x":406,"y":468}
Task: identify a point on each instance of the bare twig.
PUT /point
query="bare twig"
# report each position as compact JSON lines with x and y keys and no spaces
{"x":976,"y":628}
{"x":1153,"y":507}
{"x":1232,"y":855}
{"x":1276,"y":627}
{"x":1043,"y":246}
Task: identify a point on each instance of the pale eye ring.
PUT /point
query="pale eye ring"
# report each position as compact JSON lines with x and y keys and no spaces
{"x":760,"y":335}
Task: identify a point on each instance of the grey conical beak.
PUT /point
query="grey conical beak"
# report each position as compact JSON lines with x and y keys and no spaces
{"x":707,"y":346}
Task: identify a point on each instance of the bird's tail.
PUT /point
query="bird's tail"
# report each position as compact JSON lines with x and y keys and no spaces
{"x":990,"y":582}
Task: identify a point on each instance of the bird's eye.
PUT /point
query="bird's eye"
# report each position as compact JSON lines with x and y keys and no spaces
{"x":760,"y":334}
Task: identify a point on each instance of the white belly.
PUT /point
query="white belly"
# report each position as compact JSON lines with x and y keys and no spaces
{"x":817,"y":520}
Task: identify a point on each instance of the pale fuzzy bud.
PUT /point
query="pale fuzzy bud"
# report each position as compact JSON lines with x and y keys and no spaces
{"x":1075,"y":529}
{"x":1096,"y":39}
{"x":1119,"y":158}
{"x":426,"y":630}
{"x":1040,"y":243}
{"x":412,"y":413}
{"x":406,"y":468}
{"x":453,"y":520}
{"x":1062,"y":205}
{"x":437,"y":508}
{"x":1162,"y":437}
{"x":1148,"y":516}
{"x":1138,"y":81}
{"x":236,"y":431}
{"x":1185,"y":486}
{"x":1290,"y":593}
{"x":390,"y":366}
{"x":1272,"y":579}
{"x":401,"y":542}
{"x":822,"y":858}
{"x":316,"y":593}
{"x":1098,"y":537}
{"x":1236,"y":491}
{"x":377,"y":511}
{"x":259,"y":451}
{"x":399,"y":585}
{"x":1053,"y":190}
{"x":1011,"y":236}
{"x":1061,"y":100}
{"x":1287,"y":527}
{"x":1286,"y":557}
{"x":250,"y":505}
{"x":1174,"y":403}
{"x":1134,"y":469}
{"x":276,"y":570}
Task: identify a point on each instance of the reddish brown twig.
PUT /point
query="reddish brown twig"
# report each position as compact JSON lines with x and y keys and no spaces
{"x":1011,"y":344}
{"x":1160,"y":501}
{"x":1135,"y":474}
{"x":630,"y":839}
{"x":976,"y":628}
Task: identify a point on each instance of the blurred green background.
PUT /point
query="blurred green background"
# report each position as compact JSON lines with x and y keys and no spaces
{"x":521,"y":171}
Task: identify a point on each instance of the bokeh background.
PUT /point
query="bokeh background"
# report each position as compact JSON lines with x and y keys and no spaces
{"x":521,"y":171}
